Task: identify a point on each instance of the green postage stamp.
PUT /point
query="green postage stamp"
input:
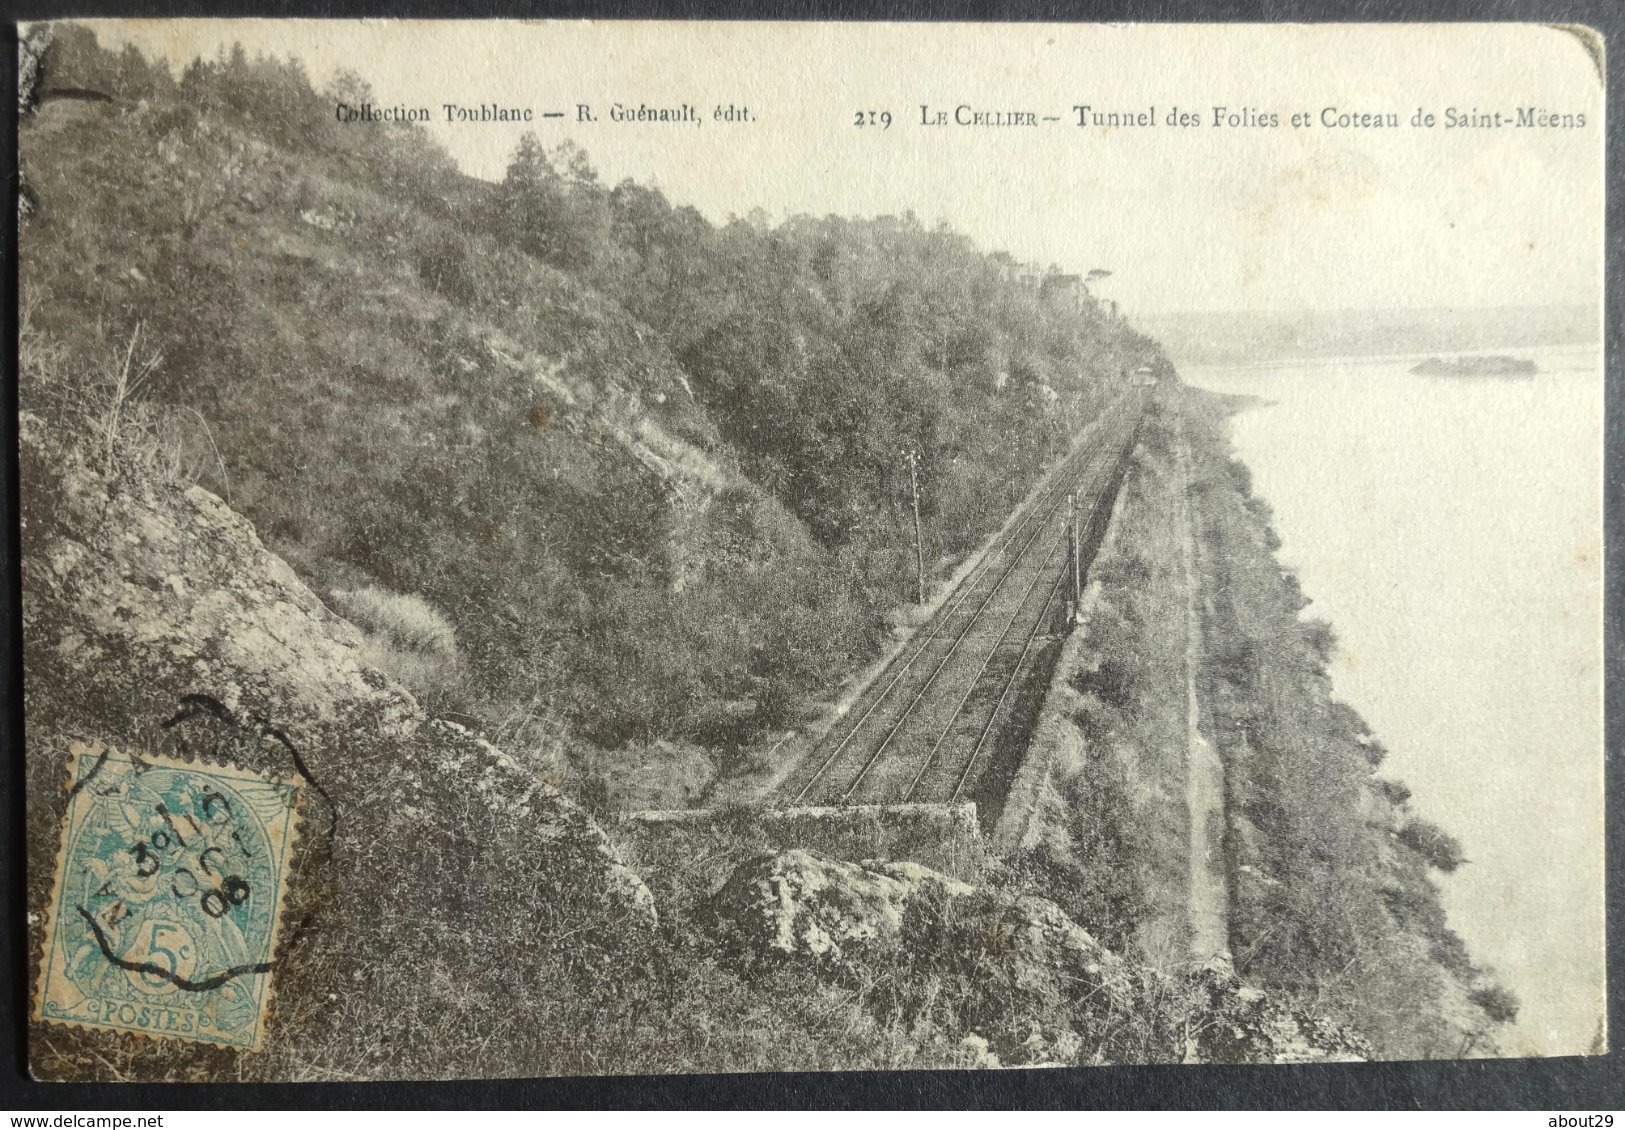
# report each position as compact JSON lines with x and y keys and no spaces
{"x":169,"y":888}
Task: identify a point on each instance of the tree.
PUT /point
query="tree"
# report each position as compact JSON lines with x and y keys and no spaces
{"x":349,"y":88}
{"x":564,"y":219}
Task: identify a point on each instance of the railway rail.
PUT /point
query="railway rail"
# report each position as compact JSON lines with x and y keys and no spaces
{"x":926,"y":729}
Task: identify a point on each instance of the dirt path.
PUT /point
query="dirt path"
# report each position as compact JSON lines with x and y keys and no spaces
{"x":1208,"y":908}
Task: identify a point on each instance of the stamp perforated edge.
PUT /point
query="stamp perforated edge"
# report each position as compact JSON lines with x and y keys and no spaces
{"x":49,"y":916}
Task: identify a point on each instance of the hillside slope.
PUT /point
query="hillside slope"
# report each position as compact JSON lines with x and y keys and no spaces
{"x":583,"y":465}
{"x":156,"y":622}
{"x":444,"y":901}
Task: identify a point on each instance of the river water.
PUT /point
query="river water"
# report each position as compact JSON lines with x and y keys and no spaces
{"x":1450,"y":531}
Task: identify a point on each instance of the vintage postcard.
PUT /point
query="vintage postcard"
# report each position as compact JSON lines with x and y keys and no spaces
{"x":609,"y":548}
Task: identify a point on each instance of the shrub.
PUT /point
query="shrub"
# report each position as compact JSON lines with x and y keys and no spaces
{"x":407,"y":621}
{"x":405,"y":637}
{"x":1397,"y":792}
{"x":1321,"y":641}
{"x":1316,"y":900}
{"x":104,"y":402}
{"x":1499,"y":1003}
{"x":442,"y":262}
{"x":402,"y":440}
{"x":1111,"y":680}
{"x":1433,"y":843}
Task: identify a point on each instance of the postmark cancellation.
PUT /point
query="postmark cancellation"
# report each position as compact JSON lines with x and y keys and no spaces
{"x":168,"y":891}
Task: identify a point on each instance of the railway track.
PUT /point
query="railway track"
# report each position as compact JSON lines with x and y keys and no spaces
{"x":926,"y":729}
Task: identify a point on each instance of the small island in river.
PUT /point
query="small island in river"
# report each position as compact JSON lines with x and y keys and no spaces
{"x":1476,"y":367}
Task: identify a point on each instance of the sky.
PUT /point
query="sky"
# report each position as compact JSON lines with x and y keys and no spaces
{"x":1186,"y":219}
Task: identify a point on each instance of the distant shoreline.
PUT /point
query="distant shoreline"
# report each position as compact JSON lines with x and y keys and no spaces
{"x":1261,"y":338}
{"x":1406,"y":360}
{"x":1483,"y":367}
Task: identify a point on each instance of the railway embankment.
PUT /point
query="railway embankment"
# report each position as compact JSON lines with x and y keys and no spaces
{"x":1098,"y":814}
{"x":1054,"y":741}
{"x":1332,"y":878}
{"x":1195,"y":789}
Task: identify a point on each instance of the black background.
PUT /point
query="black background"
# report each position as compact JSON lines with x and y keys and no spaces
{"x":1571,"y":1085}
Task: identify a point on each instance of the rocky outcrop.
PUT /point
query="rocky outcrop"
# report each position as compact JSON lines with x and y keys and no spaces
{"x":799,"y":905}
{"x":640,"y":414}
{"x":1029,"y":984}
{"x":1237,"y":1023}
{"x":435,"y":874}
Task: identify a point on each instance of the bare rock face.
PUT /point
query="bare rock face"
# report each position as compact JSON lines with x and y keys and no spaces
{"x":1030,"y":983}
{"x":799,"y":905}
{"x":435,"y":879}
{"x":1241,"y":1024}
{"x":1012,"y":967}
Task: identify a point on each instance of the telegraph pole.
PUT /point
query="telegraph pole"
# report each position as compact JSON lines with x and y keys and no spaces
{"x":1077,"y":568}
{"x":914,"y":502}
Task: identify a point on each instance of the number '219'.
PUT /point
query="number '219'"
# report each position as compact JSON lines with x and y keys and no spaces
{"x":881,"y":118}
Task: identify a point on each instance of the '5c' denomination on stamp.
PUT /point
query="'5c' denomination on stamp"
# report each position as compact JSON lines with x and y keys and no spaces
{"x":169,"y":887}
